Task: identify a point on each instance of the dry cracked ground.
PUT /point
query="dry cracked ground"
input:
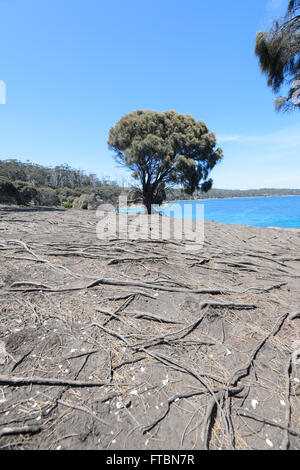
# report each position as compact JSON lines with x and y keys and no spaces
{"x":142,"y":344}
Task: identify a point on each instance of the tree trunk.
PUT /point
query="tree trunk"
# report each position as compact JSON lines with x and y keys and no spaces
{"x":148,"y":199}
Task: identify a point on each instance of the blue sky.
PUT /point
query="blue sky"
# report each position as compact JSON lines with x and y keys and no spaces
{"x":73,"y":68}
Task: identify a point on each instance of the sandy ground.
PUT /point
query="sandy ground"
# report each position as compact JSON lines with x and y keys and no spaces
{"x":121,"y":344}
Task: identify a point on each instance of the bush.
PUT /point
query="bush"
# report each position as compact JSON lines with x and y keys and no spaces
{"x":67,"y":195}
{"x":67,"y":205}
{"x":47,"y":197}
{"x":8,"y":192}
{"x":87,"y":201}
{"x":28,"y":193}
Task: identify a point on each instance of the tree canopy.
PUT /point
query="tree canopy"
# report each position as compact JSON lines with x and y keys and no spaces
{"x":165,"y":148}
{"x":278,"y":51}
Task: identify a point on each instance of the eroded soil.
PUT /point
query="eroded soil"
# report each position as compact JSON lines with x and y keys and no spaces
{"x":115,"y":344}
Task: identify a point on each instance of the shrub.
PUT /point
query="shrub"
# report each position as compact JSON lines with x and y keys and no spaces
{"x":28,"y":193}
{"x":67,"y":205}
{"x":87,"y":201}
{"x":67,"y":195}
{"x":47,"y":197}
{"x":8,"y":192}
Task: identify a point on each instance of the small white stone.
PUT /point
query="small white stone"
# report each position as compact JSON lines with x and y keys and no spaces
{"x":282,"y":403}
{"x":228,"y":352}
{"x":58,"y":447}
{"x":270,"y":443}
{"x":134,"y":392}
{"x":296,"y":380}
{"x":113,"y":441}
{"x":67,"y":371}
{"x":254,"y":404}
{"x":142,"y":369}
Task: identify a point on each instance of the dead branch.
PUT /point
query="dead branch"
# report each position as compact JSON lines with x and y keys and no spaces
{"x":20,"y":430}
{"x":18,"y":381}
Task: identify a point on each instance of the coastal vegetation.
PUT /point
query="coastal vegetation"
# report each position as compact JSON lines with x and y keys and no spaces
{"x":30,"y":184}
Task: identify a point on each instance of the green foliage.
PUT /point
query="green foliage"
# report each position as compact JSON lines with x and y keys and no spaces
{"x":62,"y":176}
{"x":67,"y":205}
{"x":87,"y":201}
{"x":28,"y":193}
{"x":64,"y":184}
{"x":164,"y":148}
{"x":278,"y":52}
{"x":47,"y":197}
{"x":8,"y":192}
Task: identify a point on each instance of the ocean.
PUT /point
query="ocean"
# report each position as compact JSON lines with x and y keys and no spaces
{"x":283,"y":212}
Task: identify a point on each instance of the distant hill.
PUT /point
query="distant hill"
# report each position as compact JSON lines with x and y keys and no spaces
{"x":177,"y":194}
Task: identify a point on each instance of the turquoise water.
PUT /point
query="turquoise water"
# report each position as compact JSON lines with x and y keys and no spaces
{"x":281,"y":212}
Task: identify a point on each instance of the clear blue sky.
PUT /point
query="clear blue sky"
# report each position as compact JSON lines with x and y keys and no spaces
{"x":73,"y":68}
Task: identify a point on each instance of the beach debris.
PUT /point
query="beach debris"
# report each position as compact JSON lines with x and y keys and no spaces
{"x":270,"y":443}
{"x":254,"y":404}
{"x":2,"y":353}
{"x":2,"y":397}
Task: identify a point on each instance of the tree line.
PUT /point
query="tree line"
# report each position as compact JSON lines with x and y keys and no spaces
{"x":28,"y":183}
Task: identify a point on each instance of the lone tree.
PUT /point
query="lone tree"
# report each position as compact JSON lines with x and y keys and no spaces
{"x":278,"y":52}
{"x":165,"y":148}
